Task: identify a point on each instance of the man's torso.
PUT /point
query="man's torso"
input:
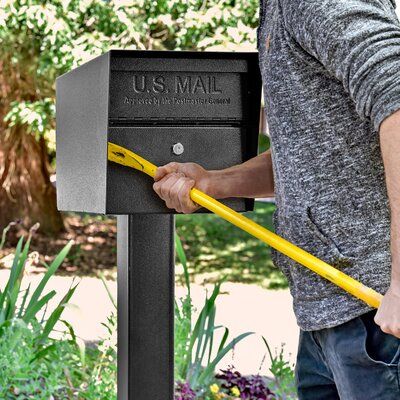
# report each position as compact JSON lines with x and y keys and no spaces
{"x":329,"y":177}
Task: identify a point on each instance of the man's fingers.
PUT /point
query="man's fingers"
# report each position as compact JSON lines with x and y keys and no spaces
{"x":157,"y":185}
{"x":390,"y":325}
{"x":174,"y":189}
{"x":161,"y":186}
{"x":170,"y":168}
{"x":168,"y":188}
{"x":175,"y":201}
{"x":389,"y":328}
{"x":166,"y":184}
{"x":187,"y":205}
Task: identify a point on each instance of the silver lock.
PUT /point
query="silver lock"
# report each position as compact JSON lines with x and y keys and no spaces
{"x":178,"y":149}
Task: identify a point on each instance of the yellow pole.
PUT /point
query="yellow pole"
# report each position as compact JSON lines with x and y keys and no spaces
{"x":126,"y":157}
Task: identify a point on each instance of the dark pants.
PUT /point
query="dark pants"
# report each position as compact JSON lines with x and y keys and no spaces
{"x":352,"y":361}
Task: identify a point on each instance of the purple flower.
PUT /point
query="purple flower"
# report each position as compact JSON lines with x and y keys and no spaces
{"x":251,"y":388}
{"x":183,"y":391}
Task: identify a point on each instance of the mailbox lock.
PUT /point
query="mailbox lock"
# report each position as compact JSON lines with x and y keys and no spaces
{"x":178,"y":149}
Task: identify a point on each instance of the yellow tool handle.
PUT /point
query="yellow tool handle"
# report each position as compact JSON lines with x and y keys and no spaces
{"x":126,"y":157}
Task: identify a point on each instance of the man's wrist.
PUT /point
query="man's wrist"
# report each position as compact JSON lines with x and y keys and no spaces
{"x":395,"y":279}
{"x":395,"y":250}
{"x":217,"y":185}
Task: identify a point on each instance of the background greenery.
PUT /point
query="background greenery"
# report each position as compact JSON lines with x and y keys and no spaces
{"x":216,"y":248}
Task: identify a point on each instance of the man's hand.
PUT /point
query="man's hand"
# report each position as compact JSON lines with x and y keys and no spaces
{"x":174,"y":181}
{"x":254,"y":178}
{"x":388,"y":315}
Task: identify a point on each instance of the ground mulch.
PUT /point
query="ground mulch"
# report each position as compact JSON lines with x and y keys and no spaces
{"x":93,"y":252}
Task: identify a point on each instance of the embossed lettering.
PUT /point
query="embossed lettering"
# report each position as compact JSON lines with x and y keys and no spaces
{"x":198,"y":84}
{"x":182,"y":86}
{"x":190,"y":84}
{"x":213,"y":86}
{"x":159,"y":84}
{"x":139,"y":83}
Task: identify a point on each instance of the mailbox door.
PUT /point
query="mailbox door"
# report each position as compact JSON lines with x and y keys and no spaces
{"x":213,"y":147}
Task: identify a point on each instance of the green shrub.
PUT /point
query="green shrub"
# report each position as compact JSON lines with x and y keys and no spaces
{"x":27,"y":304}
{"x":284,"y":384}
{"x":35,"y":366}
{"x":64,"y":371}
{"x":25,"y":375}
{"x":196,"y":351}
{"x":31,"y":363}
{"x":100,"y":378}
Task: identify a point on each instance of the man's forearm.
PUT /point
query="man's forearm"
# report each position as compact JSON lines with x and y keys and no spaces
{"x":390,"y":147}
{"x":388,"y":315}
{"x":254,"y":178}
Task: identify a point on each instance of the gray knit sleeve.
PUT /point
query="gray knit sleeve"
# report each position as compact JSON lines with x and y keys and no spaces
{"x":358,"y":41}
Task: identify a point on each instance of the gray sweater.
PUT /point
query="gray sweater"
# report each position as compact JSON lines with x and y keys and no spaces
{"x":331,"y":73}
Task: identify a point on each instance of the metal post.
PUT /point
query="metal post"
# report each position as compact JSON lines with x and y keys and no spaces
{"x":145,"y":254}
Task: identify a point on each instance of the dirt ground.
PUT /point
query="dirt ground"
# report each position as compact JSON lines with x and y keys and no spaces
{"x":94,"y":247}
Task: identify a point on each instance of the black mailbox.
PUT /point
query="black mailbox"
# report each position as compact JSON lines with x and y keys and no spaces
{"x":165,"y":106}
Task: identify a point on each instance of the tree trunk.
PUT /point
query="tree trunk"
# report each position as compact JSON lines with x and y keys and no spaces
{"x":26,"y":192}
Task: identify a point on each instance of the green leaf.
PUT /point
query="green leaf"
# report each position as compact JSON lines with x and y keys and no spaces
{"x":16,"y":262}
{"x":22,"y":307}
{"x":12,"y":273}
{"x":49,"y":273}
{"x":110,"y":296}
{"x":182,"y":258}
{"x":15,"y":282}
{"x":35,"y":308}
{"x":4,"y":235}
{"x":70,"y":329}
{"x":200,"y":336}
{"x":223,"y":341}
{"x":56,"y":314}
{"x":268,"y":348}
{"x":200,"y":332}
{"x":42,"y":353}
{"x":209,"y":333}
{"x":208,"y":372}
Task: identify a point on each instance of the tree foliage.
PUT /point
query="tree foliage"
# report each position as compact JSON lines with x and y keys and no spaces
{"x":43,"y":39}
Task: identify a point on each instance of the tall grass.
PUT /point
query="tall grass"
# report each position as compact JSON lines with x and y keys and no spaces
{"x":30,"y":305}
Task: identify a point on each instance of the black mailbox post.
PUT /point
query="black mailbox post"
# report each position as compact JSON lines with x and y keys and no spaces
{"x":165,"y":106}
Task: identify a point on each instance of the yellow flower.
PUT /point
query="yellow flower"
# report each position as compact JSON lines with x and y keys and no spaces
{"x":235,"y":391}
{"x":214,"y":388}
